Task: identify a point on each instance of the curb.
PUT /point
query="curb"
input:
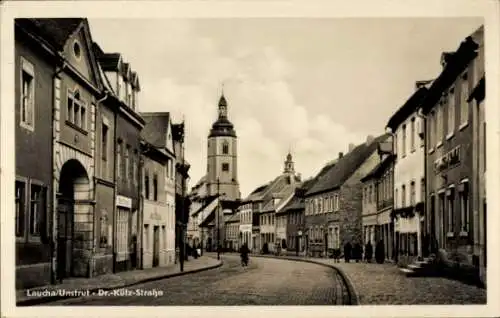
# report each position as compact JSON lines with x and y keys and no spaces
{"x":354,"y":296}
{"x":43,"y":300}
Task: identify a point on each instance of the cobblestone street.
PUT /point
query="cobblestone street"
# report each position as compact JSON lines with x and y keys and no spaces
{"x":263,"y":282}
{"x":383,"y":284}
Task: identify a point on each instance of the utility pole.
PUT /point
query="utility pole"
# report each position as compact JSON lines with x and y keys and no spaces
{"x":218,"y":220}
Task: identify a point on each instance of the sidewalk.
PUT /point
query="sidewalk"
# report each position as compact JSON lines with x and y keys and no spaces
{"x":114,"y":281}
{"x":383,"y":284}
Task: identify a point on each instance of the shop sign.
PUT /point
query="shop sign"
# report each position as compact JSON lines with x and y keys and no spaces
{"x":124,"y":202}
{"x":448,"y":160}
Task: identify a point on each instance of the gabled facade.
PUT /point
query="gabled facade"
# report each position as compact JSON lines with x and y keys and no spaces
{"x":451,"y":221}
{"x":158,"y":191}
{"x":275,"y":196}
{"x":334,"y":203}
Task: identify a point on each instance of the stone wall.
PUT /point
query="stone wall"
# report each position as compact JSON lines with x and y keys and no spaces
{"x":351,"y":196}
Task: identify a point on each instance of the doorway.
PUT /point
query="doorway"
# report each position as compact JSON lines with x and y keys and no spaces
{"x":72,"y":197}
{"x":156,"y":246}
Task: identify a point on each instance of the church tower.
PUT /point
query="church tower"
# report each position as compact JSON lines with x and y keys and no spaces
{"x":222,"y":156}
{"x":289,"y":168}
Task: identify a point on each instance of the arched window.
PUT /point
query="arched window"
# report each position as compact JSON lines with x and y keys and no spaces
{"x":225,"y":147}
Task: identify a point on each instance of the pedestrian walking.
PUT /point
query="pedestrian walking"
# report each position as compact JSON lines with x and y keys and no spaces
{"x":347,"y":252}
{"x":244,"y":251}
{"x":380,"y":252}
{"x":368,"y":252}
{"x":358,"y":252}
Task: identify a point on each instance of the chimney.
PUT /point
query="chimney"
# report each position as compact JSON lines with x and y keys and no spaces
{"x":341,"y":154}
{"x":351,"y":147}
{"x":369,"y":139}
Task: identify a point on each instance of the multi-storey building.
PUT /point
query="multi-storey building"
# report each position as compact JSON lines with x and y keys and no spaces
{"x":406,"y":126}
{"x":249,"y":206}
{"x":479,"y":172}
{"x":451,"y":220}
{"x":35,"y":68}
{"x":181,"y":198}
{"x":106,"y":113}
{"x":232,"y":228}
{"x":378,"y":205}
{"x":158,"y":191}
{"x":334,"y":203}
{"x":277,"y":194}
{"x":294,"y":218}
{"x":128,"y":124}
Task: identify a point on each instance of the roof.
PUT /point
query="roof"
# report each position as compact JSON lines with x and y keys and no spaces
{"x":257,"y":194}
{"x":456,"y":64}
{"x":379,"y":168}
{"x":222,"y":126}
{"x":298,"y":202}
{"x":232,"y":218}
{"x":155,"y":129}
{"x":408,"y":108}
{"x":55,"y":30}
{"x":283,"y":194}
{"x":338,"y":173}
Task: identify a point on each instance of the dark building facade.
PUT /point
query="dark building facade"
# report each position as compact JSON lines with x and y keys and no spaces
{"x":451,"y":222}
{"x":34,"y":91}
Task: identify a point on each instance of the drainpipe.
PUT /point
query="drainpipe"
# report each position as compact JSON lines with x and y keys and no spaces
{"x":115,"y":191}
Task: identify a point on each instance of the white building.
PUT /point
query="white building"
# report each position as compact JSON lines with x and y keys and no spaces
{"x":158,"y":191}
{"x":406,"y":126}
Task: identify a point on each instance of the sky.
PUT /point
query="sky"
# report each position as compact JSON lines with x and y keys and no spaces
{"x":306,"y":85}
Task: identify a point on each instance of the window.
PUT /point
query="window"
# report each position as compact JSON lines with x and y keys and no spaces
{"x":450,"y":206}
{"x":77,"y":111}
{"x":225,"y":147}
{"x":464,"y":105}
{"x":403,"y":151}
{"x":372,"y":193}
{"x":337,"y":203}
{"x":146,"y":236}
{"x":395,"y":144}
{"x":464,"y":208}
{"x":432,"y":130}
{"x":104,"y":142}
{"x":403,"y":196}
{"x":440,"y":123}
{"x":422,"y":190}
{"x":134,"y":166}
{"x":20,"y":209}
{"x":320,"y":205}
{"x":451,"y":113}
{"x":119,"y":160}
{"x":396,"y":198}
{"x":412,"y":193}
{"x":37,"y":209}
{"x":413,"y":134}
{"x":155,"y":187}
{"x":225,"y":167}
{"x":146,"y":185}
{"x":127,"y":163}
{"x":27,"y":111}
